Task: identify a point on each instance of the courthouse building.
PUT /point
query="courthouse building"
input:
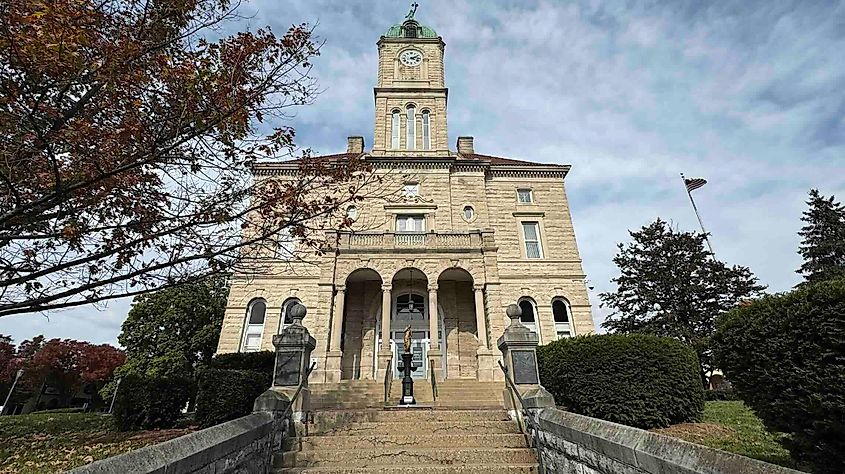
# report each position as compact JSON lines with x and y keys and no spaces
{"x":464,"y":237}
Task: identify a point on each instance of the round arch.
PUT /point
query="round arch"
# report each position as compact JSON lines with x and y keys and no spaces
{"x":530,"y":317}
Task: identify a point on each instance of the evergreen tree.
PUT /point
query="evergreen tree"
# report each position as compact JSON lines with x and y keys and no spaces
{"x":670,"y":285}
{"x":823,"y":244}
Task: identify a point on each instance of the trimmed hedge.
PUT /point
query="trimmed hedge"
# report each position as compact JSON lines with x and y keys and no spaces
{"x":785,"y":357}
{"x":150,"y":402}
{"x":256,"y":361}
{"x":720,"y":395}
{"x":636,"y":380}
{"x":224,"y":395}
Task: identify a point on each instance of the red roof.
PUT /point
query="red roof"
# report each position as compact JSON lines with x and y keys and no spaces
{"x":494,"y":160}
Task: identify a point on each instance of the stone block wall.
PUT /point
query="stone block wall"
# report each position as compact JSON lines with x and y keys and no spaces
{"x":238,"y":446}
{"x":572,"y":443}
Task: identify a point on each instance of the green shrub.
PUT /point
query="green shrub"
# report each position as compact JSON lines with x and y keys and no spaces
{"x":151,"y":402}
{"x":720,"y":395}
{"x":785,"y":357}
{"x":256,"y":361}
{"x":224,"y":395}
{"x":637,"y":380}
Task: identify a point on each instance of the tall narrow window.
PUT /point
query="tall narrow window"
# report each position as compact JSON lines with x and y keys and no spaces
{"x":411,"y":139}
{"x":394,"y":131}
{"x":531,"y":235}
{"x":254,"y":325}
{"x":286,"y":320}
{"x":529,"y":316}
{"x":561,"y":314}
{"x":426,"y":124}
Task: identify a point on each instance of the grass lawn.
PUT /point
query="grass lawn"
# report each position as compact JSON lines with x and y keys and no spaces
{"x":733,"y":427}
{"x":54,"y":442}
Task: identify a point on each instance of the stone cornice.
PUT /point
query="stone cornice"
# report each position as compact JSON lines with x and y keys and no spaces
{"x":432,"y":162}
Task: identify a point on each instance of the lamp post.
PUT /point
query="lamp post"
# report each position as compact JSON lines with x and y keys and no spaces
{"x":9,"y":395}
{"x":114,"y":395}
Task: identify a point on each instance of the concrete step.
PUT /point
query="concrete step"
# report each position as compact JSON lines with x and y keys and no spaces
{"x":418,"y":468}
{"x":376,"y":457}
{"x":427,"y":427}
{"x":411,"y":441}
{"x":407,"y":415}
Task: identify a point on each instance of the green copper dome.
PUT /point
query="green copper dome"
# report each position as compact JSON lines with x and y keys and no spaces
{"x":410,"y":29}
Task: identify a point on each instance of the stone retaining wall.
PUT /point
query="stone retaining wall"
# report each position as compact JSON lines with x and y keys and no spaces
{"x":571,"y":443}
{"x":243,"y":445}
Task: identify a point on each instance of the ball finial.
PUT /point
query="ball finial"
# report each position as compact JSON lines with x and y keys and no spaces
{"x":297,"y":313}
{"x":514,"y":312}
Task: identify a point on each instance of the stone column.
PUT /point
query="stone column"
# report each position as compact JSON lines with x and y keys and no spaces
{"x":384,"y":354}
{"x":435,"y":354}
{"x":484,"y":355}
{"x":337,"y":318}
{"x":334,"y":357}
{"x":519,"y":351}
{"x":293,"y":360}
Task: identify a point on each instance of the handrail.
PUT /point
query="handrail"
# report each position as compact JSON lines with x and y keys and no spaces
{"x":433,"y":381}
{"x":388,"y":379}
{"x":298,"y":390}
{"x":532,"y":434}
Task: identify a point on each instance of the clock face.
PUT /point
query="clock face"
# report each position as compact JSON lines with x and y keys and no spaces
{"x":411,"y":57}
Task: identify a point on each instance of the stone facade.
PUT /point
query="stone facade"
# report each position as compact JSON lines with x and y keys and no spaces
{"x":463,"y":263}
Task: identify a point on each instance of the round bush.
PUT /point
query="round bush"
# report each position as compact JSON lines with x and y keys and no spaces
{"x":256,"y":361}
{"x":150,"y":402}
{"x":785,"y":358}
{"x":224,"y":395}
{"x":636,"y":380}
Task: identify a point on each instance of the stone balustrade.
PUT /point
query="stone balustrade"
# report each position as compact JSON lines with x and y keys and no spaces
{"x":381,"y":241}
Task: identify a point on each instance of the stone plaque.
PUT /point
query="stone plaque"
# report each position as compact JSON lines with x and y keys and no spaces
{"x":524,"y":368}
{"x":288,"y":365}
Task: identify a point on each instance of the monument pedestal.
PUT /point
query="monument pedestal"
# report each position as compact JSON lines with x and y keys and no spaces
{"x":293,"y":360}
{"x":407,"y":380}
{"x":519,"y":353}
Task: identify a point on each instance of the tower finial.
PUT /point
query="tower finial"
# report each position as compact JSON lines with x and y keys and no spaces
{"x":410,"y":15}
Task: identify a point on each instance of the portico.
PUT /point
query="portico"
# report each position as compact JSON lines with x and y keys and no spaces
{"x":445,"y":312}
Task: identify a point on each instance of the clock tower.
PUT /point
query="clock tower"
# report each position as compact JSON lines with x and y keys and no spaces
{"x":410,"y":97}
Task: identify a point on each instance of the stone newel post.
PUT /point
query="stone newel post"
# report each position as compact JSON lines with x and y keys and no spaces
{"x":293,"y":358}
{"x":519,"y":352}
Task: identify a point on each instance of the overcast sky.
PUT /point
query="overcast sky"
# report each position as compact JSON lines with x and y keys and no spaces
{"x":747,"y":94}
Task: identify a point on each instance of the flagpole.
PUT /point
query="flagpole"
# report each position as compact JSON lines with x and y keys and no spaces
{"x":695,"y":208}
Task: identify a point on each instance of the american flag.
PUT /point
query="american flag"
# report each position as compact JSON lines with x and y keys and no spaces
{"x":694,"y":183}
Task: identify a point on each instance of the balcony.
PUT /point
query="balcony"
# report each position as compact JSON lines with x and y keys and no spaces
{"x":382,"y":241}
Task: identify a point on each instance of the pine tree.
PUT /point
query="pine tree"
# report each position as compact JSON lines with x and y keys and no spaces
{"x":670,"y":285}
{"x":823,"y":244}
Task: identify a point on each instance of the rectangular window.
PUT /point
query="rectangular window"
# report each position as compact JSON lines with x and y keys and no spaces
{"x":411,"y":189}
{"x":524,"y":196}
{"x":531,"y":233}
{"x":394,"y":131}
{"x":410,"y":223}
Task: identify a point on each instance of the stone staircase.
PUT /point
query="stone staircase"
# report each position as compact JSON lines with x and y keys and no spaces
{"x":406,"y":440}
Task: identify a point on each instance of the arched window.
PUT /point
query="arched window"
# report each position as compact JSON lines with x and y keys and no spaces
{"x":410,"y":307}
{"x":469,"y":213}
{"x":255,"y":312}
{"x":411,"y":138}
{"x":286,"y":320}
{"x":560,"y":310}
{"x":394,"y":130}
{"x":352,"y":212}
{"x":529,"y":314}
{"x":426,"y":129}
